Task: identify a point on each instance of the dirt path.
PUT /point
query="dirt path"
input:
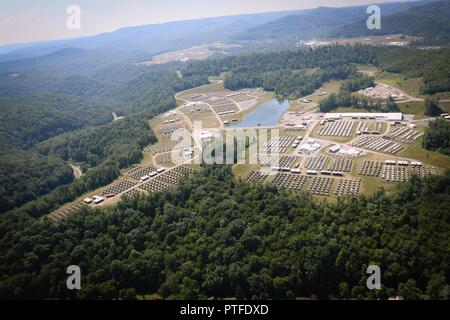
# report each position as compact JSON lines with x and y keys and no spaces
{"x":76,"y":171}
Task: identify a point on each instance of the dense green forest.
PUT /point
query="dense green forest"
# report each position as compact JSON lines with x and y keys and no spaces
{"x":347,"y":100}
{"x":77,"y":127}
{"x":121,"y":142}
{"x":286,"y":83}
{"x":285,"y":73}
{"x":214,"y":236}
{"x":357,"y":82}
{"x":437,"y":136}
{"x":432,"y":107}
{"x":26,"y":176}
{"x":29,"y":120}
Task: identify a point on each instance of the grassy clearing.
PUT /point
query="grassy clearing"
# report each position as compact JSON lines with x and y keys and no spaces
{"x":411,"y":86}
{"x":388,"y":78}
{"x":445,"y":105}
{"x":415,"y":151}
{"x":240,"y":115}
{"x":367,"y":69}
{"x":153,"y":296}
{"x":241,"y":170}
{"x":416,"y":108}
{"x":347,"y":110}
{"x":329,"y":87}
{"x":214,"y":87}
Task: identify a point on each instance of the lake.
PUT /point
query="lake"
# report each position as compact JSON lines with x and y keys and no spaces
{"x":267,"y":114}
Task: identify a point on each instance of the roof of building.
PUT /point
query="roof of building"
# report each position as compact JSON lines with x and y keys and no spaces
{"x":335,"y":148}
{"x":391,"y":116}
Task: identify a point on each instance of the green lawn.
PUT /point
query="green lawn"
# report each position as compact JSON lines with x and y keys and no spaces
{"x":416,"y":108}
{"x":415,"y":151}
{"x":445,"y":105}
{"x":347,"y":110}
{"x":214,"y":87}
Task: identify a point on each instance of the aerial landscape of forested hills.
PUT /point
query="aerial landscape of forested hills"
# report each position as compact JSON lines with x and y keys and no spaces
{"x":321,"y":22}
{"x":430,"y":22}
{"x":79,"y":115}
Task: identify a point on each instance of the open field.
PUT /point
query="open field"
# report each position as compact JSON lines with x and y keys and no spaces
{"x":366,"y":69}
{"x":300,"y":106}
{"x":193,"y":53}
{"x":445,"y":105}
{"x":410,"y":86}
{"x":416,"y":151}
{"x":416,"y":108}
{"x":209,"y":88}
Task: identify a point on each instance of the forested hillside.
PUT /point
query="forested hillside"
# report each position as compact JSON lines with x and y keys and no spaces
{"x":77,"y":127}
{"x":217,"y":237}
{"x":321,"y":22}
{"x":437,"y":137}
{"x":429,"y":21}
{"x":140,"y":42}
{"x":282,"y":71}
{"x":121,"y":143}
{"x":26,"y":176}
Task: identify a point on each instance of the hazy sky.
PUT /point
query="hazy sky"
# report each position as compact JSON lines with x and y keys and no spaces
{"x":36,"y":20}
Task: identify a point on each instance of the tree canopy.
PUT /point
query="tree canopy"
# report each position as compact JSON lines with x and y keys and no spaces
{"x":214,"y":236}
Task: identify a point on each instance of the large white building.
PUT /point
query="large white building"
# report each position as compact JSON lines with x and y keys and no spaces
{"x":390,"y":116}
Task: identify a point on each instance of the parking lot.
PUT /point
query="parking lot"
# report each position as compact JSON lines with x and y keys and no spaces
{"x":321,"y":186}
{"x":348,"y":187}
{"x":317,"y":163}
{"x":378,"y":144}
{"x":337,"y":129}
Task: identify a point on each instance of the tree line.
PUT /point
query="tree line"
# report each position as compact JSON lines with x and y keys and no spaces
{"x":347,"y":99}
{"x":215,"y":236}
{"x":437,"y":136}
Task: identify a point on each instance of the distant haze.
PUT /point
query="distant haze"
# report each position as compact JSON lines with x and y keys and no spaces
{"x":38,"y":20}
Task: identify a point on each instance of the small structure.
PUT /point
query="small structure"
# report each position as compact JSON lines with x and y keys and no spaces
{"x":335,"y":148}
{"x":352,"y":152}
{"x":87,"y":200}
{"x":389,"y":116}
{"x":98,"y":199}
{"x":153,"y":173}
